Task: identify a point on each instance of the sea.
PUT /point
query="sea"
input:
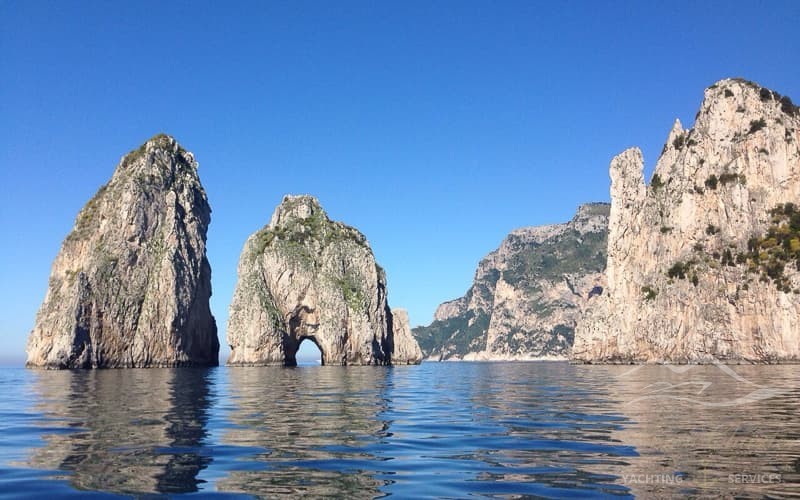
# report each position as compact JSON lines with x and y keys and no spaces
{"x":445,"y":430}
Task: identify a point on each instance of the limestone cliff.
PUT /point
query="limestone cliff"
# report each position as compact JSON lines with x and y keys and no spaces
{"x":526,"y":295}
{"x":131,"y":284}
{"x":703,"y":261}
{"x":304,"y":276}
{"x":406,"y":349}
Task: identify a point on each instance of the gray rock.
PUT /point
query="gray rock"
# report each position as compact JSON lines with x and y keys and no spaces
{"x":701,"y":266}
{"x":527,"y":294}
{"x":304,"y":276}
{"x":406,"y":349}
{"x":130,"y":286}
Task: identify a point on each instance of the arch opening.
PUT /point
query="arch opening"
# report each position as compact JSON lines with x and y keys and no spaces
{"x":307,"y":352}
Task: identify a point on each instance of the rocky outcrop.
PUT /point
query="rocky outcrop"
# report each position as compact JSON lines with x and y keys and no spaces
{"x":304,"y":276}
{"x":406,"y":349}
{"x":703,"y":261}
{"x":527,"y":294}
{"x":130,"y":286}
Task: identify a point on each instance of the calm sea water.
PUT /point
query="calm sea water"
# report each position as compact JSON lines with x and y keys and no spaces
{"x":440,"y":429}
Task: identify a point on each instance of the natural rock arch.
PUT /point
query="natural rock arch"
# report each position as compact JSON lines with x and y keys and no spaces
{"x":291,"y":346}
{"x":304,"y":276}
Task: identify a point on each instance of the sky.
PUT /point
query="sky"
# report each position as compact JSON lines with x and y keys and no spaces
{"x":434,"y":127}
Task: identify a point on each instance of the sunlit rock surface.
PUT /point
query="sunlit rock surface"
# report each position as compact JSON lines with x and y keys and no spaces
{"x":703,"y":261}
{"x":526,"y":296}
{"x":304,"y":276}
{"x":130,"y":286}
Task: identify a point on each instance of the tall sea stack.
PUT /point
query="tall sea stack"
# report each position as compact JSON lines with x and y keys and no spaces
{"x":130,"y":286}
{"x":304,"y":276}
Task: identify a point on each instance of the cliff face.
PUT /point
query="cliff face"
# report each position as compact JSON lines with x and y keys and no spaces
{"x":131,"y":284}
{"x":703,"y":261}
{"x":306,"y":277}
{"x":527,"y":294}
{"x":405,"y":349}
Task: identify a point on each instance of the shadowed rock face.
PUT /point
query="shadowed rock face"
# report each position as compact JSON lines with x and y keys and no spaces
{"x":130,"y":286}
{"x":304,"y":276}
{"x":703,"y":261}
{"x":527,"y":295}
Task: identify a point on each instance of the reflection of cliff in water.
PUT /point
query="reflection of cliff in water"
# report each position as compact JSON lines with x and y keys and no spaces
{"x":536,"y":428}
{"x":315,"y":427}
{"x":716,"y":431}
{"x":135,"y":431}
{"x":577,"y":417}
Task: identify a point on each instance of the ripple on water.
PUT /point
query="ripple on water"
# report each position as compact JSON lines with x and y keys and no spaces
{"x":440,"y":429}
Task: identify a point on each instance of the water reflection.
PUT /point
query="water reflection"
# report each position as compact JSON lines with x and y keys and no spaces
{"x":504,"y":429}
{"x":709,"y":430}
{"x":452,"y":430}
{"x":124,"y":431}
{"x":311,"y":427}
{"x":439,"y":429}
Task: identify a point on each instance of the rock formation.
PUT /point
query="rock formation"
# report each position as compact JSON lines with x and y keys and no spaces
{"x":131,"y":284}
{"x":526,"y":295}
{"x":703,"y":261}
{"x":406,"y":349}
{"x":304,"y":276}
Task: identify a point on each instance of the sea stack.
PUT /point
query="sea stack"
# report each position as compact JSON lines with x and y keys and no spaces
{"x":130,"y":286}
{"x":527,"y":295}
{"x":703,"y":262}
{"x":304,"y":276}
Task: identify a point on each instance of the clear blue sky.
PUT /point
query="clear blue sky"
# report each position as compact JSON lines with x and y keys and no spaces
{"x":434,"y":127}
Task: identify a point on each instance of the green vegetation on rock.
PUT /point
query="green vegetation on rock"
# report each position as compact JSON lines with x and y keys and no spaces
{"x":780,"y":246}
{"x":161,"y":140}
{"x":766,"y":95}
{"x":680,"y":269}
{"x":350,"y":286}
{"x":458,"y":335}
{"x":656,"y":183}
{"x":571,"y":252}
{"x":531,"y":263}
{"x":301,"y":238}
{"x":767,"y":255}
{"x":756,"y":125}
{"x":87,"y":217}
{"x":649,"y":292}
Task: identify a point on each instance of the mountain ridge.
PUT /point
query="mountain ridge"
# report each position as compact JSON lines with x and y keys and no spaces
{"x":547,"y":270}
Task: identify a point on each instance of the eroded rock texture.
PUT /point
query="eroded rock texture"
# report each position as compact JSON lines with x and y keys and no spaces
{"x":130,"y":286}
{"x":405,"y":348}
{"x":703,"y":261}
{"x":304,"y":276}
{"x":527,"y":295}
